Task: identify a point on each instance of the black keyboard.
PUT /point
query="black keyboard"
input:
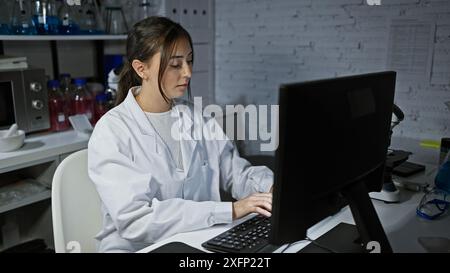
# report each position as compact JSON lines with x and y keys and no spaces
{"x":250,"y":236}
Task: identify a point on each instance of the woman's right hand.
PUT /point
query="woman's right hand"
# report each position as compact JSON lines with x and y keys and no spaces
{"x":258,"y":202}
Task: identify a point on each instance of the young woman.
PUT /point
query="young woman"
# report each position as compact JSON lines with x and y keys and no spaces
{"x":153,"y":185}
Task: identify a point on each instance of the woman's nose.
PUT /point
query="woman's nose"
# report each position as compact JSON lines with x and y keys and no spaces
{"x":187,"y":71}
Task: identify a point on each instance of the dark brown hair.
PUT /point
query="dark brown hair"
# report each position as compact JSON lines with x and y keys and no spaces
{"x":148,"y":37}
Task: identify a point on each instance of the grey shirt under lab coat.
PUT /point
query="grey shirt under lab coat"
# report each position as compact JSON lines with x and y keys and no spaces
{"x":145,"y":198}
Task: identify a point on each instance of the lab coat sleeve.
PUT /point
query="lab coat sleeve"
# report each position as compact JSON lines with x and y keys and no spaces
{"x":128,"y":194}
{"x":237,"y":175}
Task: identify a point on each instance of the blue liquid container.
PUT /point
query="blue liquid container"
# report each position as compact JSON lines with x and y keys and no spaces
{"x":21,"y":23}
{"x":67,"y":19}
{"x":4,"y":29}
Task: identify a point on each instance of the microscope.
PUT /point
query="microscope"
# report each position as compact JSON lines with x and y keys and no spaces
{"x":389,"y":192}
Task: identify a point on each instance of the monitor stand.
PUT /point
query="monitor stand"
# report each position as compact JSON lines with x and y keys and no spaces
{"x":368,"y":226}
{"x":333,"y":241}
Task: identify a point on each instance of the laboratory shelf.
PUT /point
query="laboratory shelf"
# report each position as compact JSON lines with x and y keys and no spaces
{"x":61,"y":37}
{"x":23,"y":198}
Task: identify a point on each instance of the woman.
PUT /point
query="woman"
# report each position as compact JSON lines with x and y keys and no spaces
{"x":153,"y":185}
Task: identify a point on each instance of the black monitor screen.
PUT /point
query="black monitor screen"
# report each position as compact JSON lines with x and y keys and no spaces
{"x":333,"y":134}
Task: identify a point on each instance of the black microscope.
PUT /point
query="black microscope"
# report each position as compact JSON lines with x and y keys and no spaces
{"x":389,"y":193}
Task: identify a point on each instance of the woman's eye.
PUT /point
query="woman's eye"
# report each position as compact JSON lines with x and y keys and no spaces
{"x":175,"y":65}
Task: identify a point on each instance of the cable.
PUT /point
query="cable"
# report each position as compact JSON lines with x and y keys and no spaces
{"x":291,"y":244}
{"x":320,"y":245}
{"x":314,"y":242}
{"x":288,"y":246}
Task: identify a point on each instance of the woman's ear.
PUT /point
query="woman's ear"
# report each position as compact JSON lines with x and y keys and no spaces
{"x":140,"y":68}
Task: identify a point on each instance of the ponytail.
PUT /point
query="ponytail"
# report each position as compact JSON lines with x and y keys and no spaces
{"x":128,"y":79}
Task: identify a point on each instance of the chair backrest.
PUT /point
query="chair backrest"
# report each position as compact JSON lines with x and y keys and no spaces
{"x":76,"y":209}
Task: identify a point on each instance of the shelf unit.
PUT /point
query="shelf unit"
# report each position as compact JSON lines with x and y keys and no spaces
{"x":45,"y":194}
{"x":39,"y":149}
{"x":35,"y":161}
{"x":53,"y":39}
{"x":61,"y":37}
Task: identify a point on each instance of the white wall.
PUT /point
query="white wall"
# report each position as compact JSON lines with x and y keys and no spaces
{"x":262,"y":43}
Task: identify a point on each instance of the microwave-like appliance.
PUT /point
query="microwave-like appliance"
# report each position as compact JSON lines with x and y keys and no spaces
{"x":23,"y":99}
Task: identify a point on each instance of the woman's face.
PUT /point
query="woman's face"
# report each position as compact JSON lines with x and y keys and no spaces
{"x":178,"y":72}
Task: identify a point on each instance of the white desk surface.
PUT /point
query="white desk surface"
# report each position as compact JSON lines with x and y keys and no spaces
{"x":402,"y":226}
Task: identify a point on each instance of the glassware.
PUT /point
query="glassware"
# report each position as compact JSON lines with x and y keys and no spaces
{"x":88,"y":18}
{"x":101,"y":105}
{"x":57,"y":107}
{"x":68,"y":18}
{"x":21,"y":22}
{"x":66,"y":89}
{"x":5,"y":17}
{"x":116,"y":23}
{"x":44,"y":17}
{"x":40,"y":16}
{"x":82,"y":101}
{"x":147,"y":8}
{"x":52,"y":18}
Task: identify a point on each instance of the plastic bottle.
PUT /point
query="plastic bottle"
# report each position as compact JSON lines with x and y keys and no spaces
{"x":57,"y":107}
{"x":101,"y":106}
{"x":82,"y":101}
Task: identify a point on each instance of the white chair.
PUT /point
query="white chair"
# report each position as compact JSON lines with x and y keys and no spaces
{"x":76,"y":206}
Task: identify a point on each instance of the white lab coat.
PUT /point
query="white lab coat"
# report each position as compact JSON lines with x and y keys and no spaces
{"x":145,"y":198}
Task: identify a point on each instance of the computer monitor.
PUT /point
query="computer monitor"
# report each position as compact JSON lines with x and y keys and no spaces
{"x":333,"y":141}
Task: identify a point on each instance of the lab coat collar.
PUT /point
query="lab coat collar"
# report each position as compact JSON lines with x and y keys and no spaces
{"x":187,"y":121}
{"x":188,"y":144}
{"x":131,"y":104}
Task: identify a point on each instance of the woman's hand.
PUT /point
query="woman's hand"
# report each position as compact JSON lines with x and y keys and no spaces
{"x":258,"y":202}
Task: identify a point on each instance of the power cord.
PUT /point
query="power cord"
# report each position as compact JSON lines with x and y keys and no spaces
{"x":320,"y":245}
{"x":288,"y":246}
{"x":314,"y":242}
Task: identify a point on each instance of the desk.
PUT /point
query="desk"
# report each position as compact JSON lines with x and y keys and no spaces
{"x":399,"y":220}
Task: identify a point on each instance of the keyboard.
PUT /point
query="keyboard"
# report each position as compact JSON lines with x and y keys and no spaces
{"x":250,"y":236}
